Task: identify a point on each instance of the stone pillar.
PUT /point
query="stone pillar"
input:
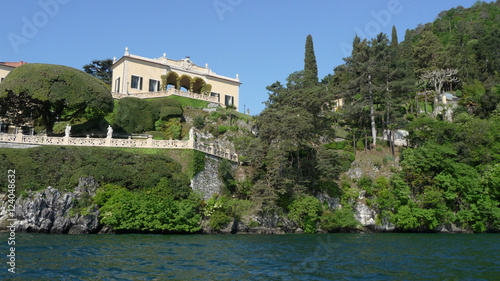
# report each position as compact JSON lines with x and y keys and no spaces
{"x":444,"y":99}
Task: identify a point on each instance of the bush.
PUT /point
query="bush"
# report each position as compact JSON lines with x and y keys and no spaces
{"x":306,"y":212}
{"x":213,"y":130}
{"x":366,"y":184}
{"x":147,"y":211}
{"x":214,"y":116}
{"x":387,"y":159}
{"x":199,"y":122}
{"x":339,"y":220}
{"x":135,"y":115}
{"x":170,"y":111}
{"x":219,"y":219}
{"x":222,"y":129}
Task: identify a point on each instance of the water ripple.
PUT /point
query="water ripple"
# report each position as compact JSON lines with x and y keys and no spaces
{"x":255,"y":257}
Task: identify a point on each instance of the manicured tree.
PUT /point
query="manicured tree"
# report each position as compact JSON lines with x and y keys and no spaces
{"x":310,"y":67}
{"x":52,"y":93}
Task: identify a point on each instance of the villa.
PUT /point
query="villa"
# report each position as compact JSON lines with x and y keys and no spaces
{"x":7,"y":67}
{"x":136,"y":76}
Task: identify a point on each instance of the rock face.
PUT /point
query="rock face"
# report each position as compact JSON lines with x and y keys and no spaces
{"x":208,"y":182}
{"x":50,"y":211}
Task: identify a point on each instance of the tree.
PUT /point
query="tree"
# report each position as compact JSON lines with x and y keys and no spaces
{"x":438,"y":78}
{"x":310,"y":67}
{"x":52,"y":93}
{"x":100,"y":69}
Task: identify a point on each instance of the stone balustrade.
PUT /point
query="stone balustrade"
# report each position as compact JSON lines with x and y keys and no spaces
{"x":113,"y":142}
{"x":167,"y":93}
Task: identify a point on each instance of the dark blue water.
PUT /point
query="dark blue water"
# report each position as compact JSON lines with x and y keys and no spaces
{"x":254,"y":257}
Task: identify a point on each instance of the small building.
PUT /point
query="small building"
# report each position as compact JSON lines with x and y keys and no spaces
{"x":135,"y":76}
{"x":7,"y":67}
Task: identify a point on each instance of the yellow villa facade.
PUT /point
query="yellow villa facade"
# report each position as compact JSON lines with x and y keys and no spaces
{"x":142,"y":77}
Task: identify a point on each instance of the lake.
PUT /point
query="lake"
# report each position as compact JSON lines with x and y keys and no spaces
{"x":386,"y":256}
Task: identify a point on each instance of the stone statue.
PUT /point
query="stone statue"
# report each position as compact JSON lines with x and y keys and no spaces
{"x":67,"y":130}
{"x":110,"y":132}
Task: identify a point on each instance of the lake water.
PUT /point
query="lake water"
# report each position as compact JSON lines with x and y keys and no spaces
{"x":254,"y":257}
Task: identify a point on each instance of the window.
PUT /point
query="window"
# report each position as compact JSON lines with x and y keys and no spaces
{"x":229,"y":100}
{"x":213,"y":94}
{"x":117,"y":85}
{"x":154,"y":85}
{"x":136,"y":82}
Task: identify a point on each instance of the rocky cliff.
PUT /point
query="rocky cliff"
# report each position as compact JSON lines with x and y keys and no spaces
{"x":52,"y":211}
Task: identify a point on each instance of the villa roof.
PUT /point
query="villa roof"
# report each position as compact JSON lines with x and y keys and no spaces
{"x":13,"y":64}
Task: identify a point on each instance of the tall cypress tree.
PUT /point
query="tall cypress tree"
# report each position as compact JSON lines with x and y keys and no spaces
{"x":310,"y":66}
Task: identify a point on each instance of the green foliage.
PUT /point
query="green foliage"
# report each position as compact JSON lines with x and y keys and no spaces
{"x":196,"y":163}
{"x":100,"y":69}
{"x":52,"y":93}
{"x":61,"y":167}
{"x":172,"y":129}
{"x":190,"y":103}
{"x":366,"y":184}
{"x":306,"y":212}
{"x":310,"y":66}
{"x":135,"y":115}
{"x":214,"y":116}
{"x":222,"y":129}
{"x":340,"y":220}
{"x":199,"y":122}
{"x":150,"y":210}
{"x":219,"y":219}
{"x":226,"y":173}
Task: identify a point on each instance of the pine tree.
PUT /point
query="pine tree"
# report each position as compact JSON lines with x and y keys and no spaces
{"x":310,"y":67}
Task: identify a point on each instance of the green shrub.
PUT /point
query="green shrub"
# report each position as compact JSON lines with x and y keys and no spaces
{"x":125,"y":210}
{"x":199,"y":122}
{"x":387,"y":159}
{"x":213,"y":130}
{"x":339,"y":220}
{"x":170,"y":111}
{"x":214,"y":116}
{"x":253,"y":223}
{"x":172,"y":129}
{"x":219,"y":219}
{"x":306,"y":212}
{"x":135,"y":115}
{"x":366,"y":184}
{"x":222,"y":129}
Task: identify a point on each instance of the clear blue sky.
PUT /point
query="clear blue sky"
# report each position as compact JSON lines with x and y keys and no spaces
{"x":262,"y":41}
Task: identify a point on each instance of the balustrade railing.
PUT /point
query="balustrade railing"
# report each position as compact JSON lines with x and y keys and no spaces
{"x":114,"y":142}
{"x":167,"y":93}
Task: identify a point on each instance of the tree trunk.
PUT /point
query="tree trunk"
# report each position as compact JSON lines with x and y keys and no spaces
{"x":366,"y":143}
{"x":372,"y":111}
{"x":392,"y":146}
{"x":354,"y":141}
